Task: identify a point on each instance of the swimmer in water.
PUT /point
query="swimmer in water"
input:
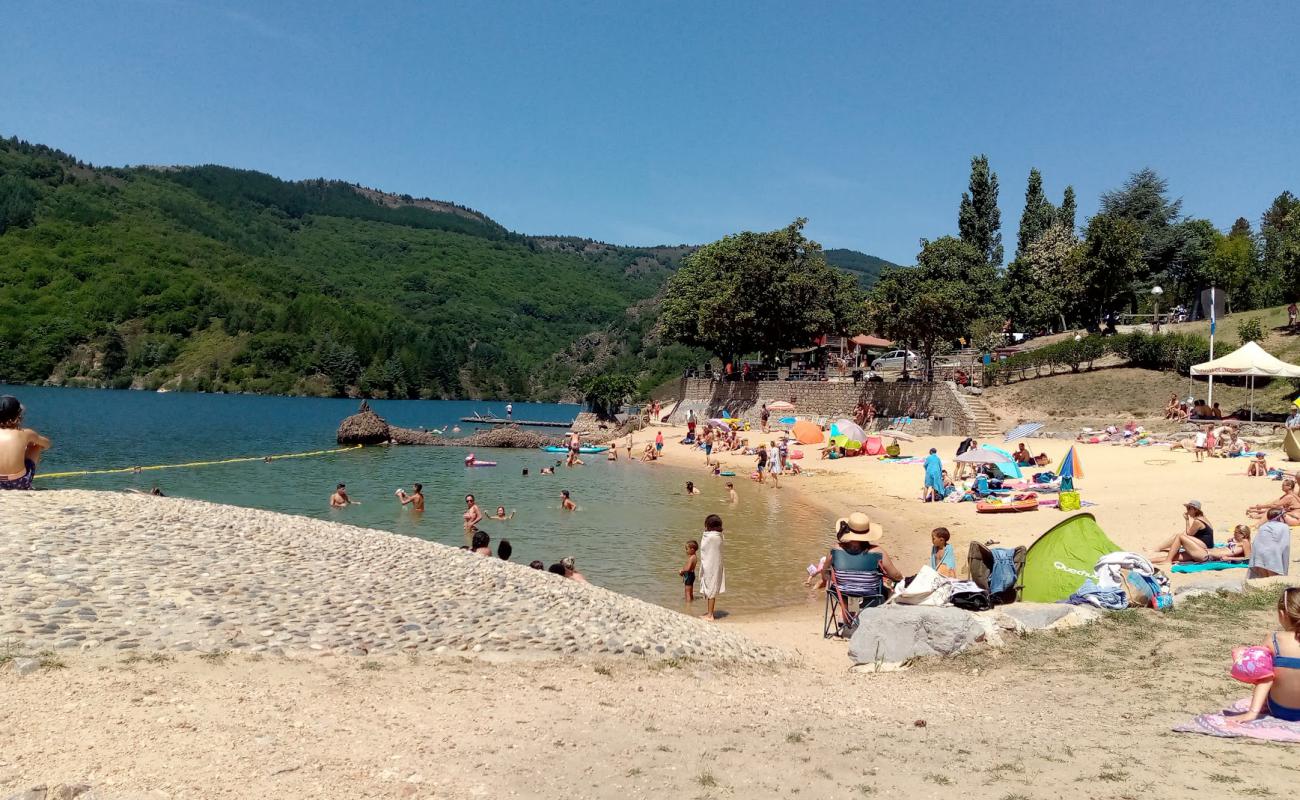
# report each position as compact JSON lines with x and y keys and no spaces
{"x":340,"y":497}
{"x":501,"y":515}
{"x":473,"y":514}
{"x":548,"y":470}
{"x":731,"y":493}
{"x":566,"y":502}
{"x":415,"y":499}
{"x":690,"y":488}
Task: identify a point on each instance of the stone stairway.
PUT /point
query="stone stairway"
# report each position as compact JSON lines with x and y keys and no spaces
{"x":985,"y":421}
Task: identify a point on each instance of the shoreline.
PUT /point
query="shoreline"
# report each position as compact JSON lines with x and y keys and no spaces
{"x":1135,"y":493}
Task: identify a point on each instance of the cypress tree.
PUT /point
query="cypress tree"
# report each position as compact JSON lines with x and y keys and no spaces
{"x":1065,"y":214}
{"x":1038,"y":216}
{"x":978,"y":220}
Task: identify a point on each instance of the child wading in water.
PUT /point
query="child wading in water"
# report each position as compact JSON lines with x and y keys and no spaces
{"x":688,"y":572}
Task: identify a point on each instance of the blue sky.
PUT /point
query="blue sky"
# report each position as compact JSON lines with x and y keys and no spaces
{"x":665,"y":122}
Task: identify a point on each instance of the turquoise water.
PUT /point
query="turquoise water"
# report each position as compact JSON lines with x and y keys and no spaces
{"x":628,"y":533}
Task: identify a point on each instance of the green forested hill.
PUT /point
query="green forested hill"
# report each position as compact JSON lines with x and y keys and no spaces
{"x":866,"y":268}
{"x":218,"y":279}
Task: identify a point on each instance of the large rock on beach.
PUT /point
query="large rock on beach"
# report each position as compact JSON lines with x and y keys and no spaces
{"x":888,"y":636}
{"x":364,"y":427}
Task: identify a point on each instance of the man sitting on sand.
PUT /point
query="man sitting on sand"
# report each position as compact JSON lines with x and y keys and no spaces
{"x":1288,"y":502}
{"x":20,"y":448}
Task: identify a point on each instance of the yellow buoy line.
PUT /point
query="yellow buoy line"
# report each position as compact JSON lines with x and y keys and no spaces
{"x":241,"y":460}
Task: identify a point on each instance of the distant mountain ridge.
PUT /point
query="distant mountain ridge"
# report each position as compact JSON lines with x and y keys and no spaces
{"x":212,"y":278}
{"x":867,"y":268}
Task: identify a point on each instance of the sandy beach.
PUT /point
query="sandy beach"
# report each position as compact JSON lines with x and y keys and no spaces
{"x":1138,"y":493}
{"x":436,"y":675}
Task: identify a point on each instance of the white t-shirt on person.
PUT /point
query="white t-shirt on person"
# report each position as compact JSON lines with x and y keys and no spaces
{"x":1200,"y":439}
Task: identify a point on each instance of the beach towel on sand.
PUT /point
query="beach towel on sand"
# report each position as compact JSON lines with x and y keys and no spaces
{"x":1268,"y":728}
{"x":712,"y":579}
{"x":1210,"y":566}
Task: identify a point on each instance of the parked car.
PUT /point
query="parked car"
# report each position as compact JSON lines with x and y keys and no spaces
{"x":896,"y":359}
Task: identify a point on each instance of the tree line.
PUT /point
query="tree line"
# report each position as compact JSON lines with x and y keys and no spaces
{"x":762,"y":293}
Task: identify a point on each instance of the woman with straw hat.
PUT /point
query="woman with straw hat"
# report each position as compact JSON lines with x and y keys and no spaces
{"x":857,"y":549}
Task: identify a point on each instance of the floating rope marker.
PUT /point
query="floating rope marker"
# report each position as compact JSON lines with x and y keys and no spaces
{"x":124,"y":470}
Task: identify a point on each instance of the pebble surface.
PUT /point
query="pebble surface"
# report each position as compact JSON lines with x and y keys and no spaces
{"x":82,"y":570}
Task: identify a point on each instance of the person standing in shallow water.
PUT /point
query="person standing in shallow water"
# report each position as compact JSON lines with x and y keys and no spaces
{"x":415,"y":499}
{"x":20,"y":448}
{"x":712,"y":578}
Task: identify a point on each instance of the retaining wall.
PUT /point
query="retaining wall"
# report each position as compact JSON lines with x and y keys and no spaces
{"x":937,"y":407}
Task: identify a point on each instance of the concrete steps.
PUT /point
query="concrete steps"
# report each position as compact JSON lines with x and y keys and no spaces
{"x":985,"y":421}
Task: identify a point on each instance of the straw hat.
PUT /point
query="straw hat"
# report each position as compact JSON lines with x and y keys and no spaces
{"x":861,"y":528}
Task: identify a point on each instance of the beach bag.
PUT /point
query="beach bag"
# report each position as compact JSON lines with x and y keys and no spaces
{"x":1252,"y":664}
{"x":926,"y":588}
{"x":1147,"y":591}
{"x":972,"y":601}
{"x":1069,"y":501}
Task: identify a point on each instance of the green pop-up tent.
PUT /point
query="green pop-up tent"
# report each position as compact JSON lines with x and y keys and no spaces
{"x":1059,"y":561}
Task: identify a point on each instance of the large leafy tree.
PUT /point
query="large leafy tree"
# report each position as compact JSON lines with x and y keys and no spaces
{"x":1233,"y":263}
{"x":1279,"y":233}
{"x":1112,"y":261}
{"x":1038,"y":216}
{"x":759,"y":292}
{"x":1143,"y":201}
{"x":978,"y":219}
{"x":939,"y":300}
{"x":1045,"y":283}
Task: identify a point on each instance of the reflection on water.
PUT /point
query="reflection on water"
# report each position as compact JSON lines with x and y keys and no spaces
{"x":628,"y":534}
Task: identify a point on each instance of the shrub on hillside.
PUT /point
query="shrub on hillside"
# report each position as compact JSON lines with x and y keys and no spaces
{"x":1173,"y":351}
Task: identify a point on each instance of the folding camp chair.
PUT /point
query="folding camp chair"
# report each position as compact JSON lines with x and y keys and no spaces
{"x":847,"y":593}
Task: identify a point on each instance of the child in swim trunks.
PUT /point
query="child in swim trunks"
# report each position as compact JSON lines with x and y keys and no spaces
{"x":688,"y":572}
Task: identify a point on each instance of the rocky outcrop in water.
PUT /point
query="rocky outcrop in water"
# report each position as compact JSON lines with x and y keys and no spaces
{"x":364,"y":427}
{"x":368,"y":428}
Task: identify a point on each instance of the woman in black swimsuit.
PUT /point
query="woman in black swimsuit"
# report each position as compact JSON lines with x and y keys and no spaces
{"x":1194,"y":543}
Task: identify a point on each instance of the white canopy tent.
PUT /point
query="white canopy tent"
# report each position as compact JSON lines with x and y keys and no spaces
{"x":1252,"y":361}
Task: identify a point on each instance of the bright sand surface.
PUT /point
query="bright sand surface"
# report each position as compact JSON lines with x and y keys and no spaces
{"x":1139,"y":494}
{"x":1084,"y":715}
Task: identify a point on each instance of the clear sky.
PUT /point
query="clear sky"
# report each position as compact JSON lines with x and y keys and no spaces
{"x":666,"y":122}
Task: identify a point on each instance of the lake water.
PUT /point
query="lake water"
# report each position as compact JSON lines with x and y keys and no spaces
{"x":627,"y":535}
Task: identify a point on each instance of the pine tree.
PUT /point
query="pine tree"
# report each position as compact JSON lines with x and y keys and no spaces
{"x":1065,"y":214}
{"x":1038,"y":216}
{"x":978,"y":220}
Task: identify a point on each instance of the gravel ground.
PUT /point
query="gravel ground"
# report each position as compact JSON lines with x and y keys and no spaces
{"x":84,"y":570}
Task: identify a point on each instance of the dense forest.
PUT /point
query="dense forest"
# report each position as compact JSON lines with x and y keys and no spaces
{"x":217,"y":279}
{"x":865,"y":268}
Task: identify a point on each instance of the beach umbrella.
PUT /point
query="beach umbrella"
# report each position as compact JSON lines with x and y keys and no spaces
{"x":903,"y":435}
{"x":978,"y":456}
{"x":807,"y":432}
{"x":720,"y":424}
{"x":1022,"y":431}
{"x":780,"y":405}
{"x":1070,"y":466}
{"x":847,"y":434}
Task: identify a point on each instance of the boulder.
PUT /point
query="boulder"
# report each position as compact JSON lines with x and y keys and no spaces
{"x":888,"y":636}
{"x":364,"y":427}
{"x":1036,"y":616}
